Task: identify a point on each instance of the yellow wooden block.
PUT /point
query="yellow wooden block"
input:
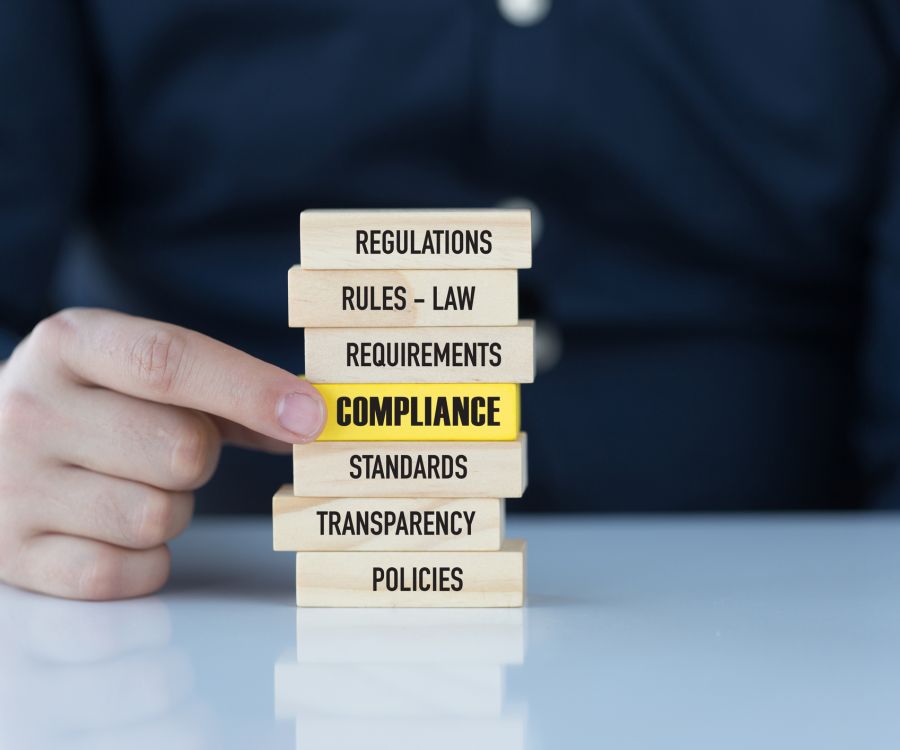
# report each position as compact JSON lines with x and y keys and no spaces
{"x":496,"y":354}
{"x":435,"y":239}
{"x":378,"y":524}
{"x":420,"y":411}
{"x":353,"y":299}
{"x":473,"y":469}
{"x":413,"y":579}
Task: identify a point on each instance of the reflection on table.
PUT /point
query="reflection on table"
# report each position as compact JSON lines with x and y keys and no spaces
{"x":83,"y":674}
{"x":403,"y":678}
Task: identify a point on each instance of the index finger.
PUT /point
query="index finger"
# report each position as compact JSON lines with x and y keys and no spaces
{"x":172,"y":365}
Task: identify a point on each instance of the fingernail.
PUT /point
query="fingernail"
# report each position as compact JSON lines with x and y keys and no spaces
{"x":301,"y":414}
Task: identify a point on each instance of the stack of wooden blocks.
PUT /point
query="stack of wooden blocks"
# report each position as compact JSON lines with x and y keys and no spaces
{"x":413,"y":339}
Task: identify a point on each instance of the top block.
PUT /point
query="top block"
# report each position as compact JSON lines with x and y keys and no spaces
{"x":420,"y":238}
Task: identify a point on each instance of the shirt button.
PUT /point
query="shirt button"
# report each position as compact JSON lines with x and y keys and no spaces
{"x":548,"y":345}
{"x":524,"y":12}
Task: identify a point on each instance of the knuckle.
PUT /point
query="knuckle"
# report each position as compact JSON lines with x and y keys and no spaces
{"x":20,"y":412}
{"x":194,"y":454}
{"x":157,"y":359}
{"x":155,"y":520}
{"x":102,"y":576}
{"x":52,"y":330}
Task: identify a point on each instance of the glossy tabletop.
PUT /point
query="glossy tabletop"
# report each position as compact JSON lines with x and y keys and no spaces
{"x":713,"y":632}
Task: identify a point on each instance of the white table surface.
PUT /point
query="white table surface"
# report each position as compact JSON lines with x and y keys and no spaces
{"x":715,"y":632}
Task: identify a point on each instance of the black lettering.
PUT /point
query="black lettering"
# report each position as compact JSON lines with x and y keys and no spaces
{"x":461,"y":408}
{"x":343,"y":403}
{"x":374,"y":523}
{"x":493,"y":407}
{"x":355,"y":468}
{"x":466,"y":297}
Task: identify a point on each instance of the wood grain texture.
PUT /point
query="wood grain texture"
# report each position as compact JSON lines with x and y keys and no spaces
{"x":474,"y":469}
{"x":496,"y":354}
{"x":387,"y":579}
{"x":329,"y":240}
{"x":379,"y":524}
{"x":328,"y":299}
{"x":437,"y":412}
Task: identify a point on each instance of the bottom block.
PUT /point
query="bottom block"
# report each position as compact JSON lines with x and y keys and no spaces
{"x":413,"y":579}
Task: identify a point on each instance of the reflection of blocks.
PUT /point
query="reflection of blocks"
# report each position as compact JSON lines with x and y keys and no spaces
{"x":413,"y":579}
{"x":356,"y":690}
{"x":463,"y":733}
{"x":418,"y":355}
{"x":403,"y":678}
{"x":365,"y":523}
{"x":400,"y":636}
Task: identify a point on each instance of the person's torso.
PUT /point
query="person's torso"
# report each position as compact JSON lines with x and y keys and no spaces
{"x":700,"y":172}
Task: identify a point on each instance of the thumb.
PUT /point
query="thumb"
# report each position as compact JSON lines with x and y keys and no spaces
{"x":236,"y":434}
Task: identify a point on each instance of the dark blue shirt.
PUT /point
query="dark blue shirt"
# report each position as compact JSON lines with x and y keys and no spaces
{"x":718,"y":182}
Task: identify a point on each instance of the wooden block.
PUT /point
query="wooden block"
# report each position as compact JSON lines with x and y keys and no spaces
{"x":349,"y":299}
{"x":413,"y":579}
{"x":435,"y":239}
{"x":410,"y":636}
{"x":475,"y":469}
{"x":420,"y":411}
{"x":402,"y":523}
{"x":421,"y":355}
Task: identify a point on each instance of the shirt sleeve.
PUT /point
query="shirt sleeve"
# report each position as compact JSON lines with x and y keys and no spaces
{"x":44,"y":152}
{"x":879,"y":429}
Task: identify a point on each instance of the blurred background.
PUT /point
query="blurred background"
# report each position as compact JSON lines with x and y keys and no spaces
{"x":715,"y":191}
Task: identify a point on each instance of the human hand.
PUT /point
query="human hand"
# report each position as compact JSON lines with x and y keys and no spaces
{"x":107,"y":424}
